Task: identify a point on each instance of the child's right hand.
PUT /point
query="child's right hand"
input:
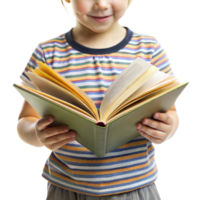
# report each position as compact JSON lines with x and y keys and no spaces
{"x":53,"y":137}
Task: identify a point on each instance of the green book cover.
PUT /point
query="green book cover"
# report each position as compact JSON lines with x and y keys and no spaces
{"x":101,"y":139}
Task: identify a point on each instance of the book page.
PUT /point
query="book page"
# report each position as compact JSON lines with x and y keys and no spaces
{"x":55,"y":90}
{"x":151,"y":91}
{"x":155,"y":79}
{"x":131,"y":89}
{"x":58,"y":101}
{"x":71,"y":87}
{"x":146,"y":100}
{"x":26,"y":82}
{"x":127,"y":77}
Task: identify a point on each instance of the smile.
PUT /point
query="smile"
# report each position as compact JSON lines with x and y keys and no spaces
{"x":100,"y":19}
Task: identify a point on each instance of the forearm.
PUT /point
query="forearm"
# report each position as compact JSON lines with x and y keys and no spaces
{"x":174,"y":115}
{"x":26,"y":131}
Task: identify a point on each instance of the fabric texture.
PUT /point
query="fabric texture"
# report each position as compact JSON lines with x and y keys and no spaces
{"x":73,"y":167}
{"x":146,"y":193}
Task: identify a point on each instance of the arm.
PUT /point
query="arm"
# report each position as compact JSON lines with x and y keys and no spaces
{"x":36,"y":131}
{"x":26,"y":125}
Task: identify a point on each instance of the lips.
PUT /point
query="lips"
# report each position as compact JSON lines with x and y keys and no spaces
{"x":100,"y":19}
{"x":100,"y":16}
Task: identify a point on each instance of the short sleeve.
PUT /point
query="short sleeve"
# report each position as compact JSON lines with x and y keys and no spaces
{"x":36,"y":56}
{"x":160,"y":59}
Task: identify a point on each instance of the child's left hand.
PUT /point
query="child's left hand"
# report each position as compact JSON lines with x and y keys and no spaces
{"x":156,"y":131}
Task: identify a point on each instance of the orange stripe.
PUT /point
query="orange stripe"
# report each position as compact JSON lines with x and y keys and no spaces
{"x":101,"y":184}
{"x":122,"y":158}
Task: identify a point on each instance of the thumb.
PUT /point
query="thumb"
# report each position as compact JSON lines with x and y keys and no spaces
{"x":44,"y":122}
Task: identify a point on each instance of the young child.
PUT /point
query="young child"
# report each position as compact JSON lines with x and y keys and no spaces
{"x":91,"y":55}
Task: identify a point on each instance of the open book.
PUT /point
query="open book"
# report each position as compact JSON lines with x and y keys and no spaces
{"x":138,"y":92}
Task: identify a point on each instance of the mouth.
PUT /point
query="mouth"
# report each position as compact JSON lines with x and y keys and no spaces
{"x":101,"y":17}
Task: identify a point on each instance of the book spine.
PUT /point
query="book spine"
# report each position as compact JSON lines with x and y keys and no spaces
{"x":100,"y":140}
{"x":102,"y":124}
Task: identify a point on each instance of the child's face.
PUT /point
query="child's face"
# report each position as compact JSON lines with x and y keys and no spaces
{"x":84,"y":9}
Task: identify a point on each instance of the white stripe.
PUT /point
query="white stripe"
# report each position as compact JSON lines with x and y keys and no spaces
{"x":129,"y":186}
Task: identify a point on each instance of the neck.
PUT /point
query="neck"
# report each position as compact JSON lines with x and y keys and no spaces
{"x":81,"y":33}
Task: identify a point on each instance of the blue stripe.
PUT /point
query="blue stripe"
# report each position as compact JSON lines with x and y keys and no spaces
{"x":114,"y":62}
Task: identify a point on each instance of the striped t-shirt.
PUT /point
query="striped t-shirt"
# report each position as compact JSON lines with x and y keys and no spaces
{"x":72,"y":166}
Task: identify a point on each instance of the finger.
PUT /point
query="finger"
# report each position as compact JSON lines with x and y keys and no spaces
{"x":164,"y":117}
{"x":152,"y":132}
{"x":150,"y":138}
{"x":156,"y":124}
{"x":57,"y":139}
{"x":44,"y":122}
{"x":57,"y":145}
{"x":51,"y":131}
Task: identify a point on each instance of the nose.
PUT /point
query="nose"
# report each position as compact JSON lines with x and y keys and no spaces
{"x":101,"y":5}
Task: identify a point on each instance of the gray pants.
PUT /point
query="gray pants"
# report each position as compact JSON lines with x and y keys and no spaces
{"x":147,"y":193}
